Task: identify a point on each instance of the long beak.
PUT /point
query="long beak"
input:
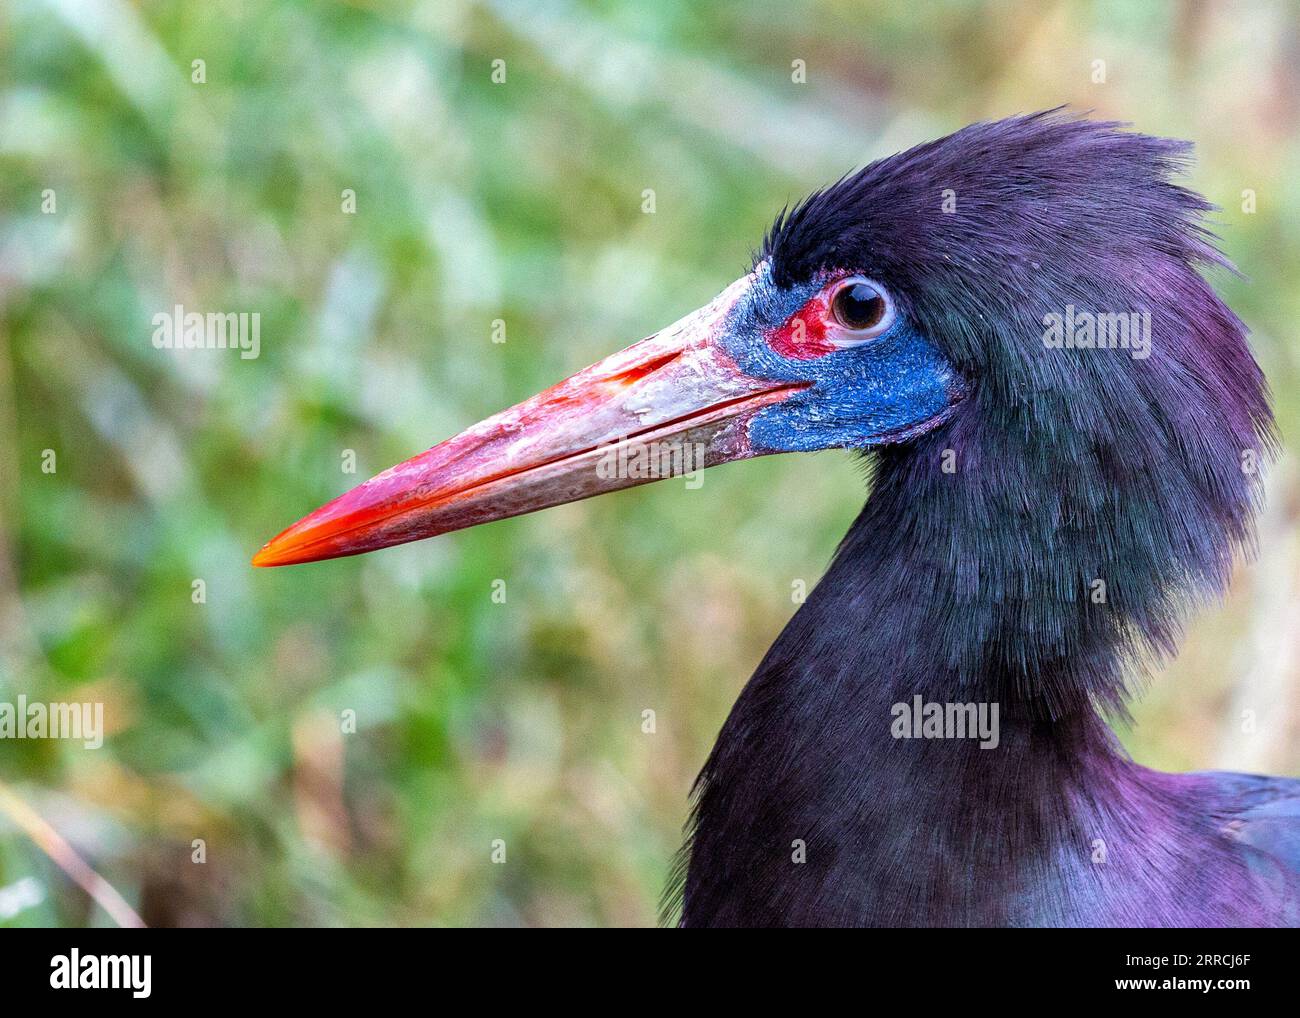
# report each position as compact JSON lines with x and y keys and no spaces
{"x":675,"y":399}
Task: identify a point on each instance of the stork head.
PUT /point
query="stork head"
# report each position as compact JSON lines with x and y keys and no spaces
{"x":891,"y":304}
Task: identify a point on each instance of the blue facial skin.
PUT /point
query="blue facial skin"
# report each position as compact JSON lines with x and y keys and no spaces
{"x":888,"y":389}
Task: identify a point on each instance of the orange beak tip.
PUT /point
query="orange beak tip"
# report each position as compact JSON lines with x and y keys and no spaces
{"x":265,"y":558}
{"x":278,"y":552}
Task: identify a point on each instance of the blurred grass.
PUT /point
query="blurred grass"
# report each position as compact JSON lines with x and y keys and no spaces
{"x":478,"y":201}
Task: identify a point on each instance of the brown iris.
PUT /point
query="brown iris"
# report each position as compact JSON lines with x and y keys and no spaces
{"x":859,"y":306}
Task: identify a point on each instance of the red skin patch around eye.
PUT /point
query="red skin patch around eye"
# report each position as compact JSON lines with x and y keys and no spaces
{"x":803,"y":336}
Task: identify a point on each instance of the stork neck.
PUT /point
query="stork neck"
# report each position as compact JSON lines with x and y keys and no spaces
{"x":967,"y":592}
{"x":852,"y":749}
{"x":987,"y":565}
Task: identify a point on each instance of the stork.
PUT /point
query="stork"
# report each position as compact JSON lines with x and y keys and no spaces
{"x":1049,"y":499}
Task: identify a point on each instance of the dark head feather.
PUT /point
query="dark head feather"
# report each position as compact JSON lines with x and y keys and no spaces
{"x":1071,"y":466}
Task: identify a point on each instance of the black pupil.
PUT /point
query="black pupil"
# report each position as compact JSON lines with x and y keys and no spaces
{"x":859,"y":306}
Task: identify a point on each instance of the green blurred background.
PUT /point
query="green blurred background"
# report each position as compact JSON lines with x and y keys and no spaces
{"x":477,"y":201}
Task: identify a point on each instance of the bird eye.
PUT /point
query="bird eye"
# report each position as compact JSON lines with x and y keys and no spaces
{"x":861,"y":307}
